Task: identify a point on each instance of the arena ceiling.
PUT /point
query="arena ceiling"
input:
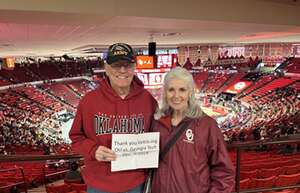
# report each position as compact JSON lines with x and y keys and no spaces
{"x":75,"y":27}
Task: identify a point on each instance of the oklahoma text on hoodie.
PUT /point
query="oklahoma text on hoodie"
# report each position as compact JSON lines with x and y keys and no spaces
{"x":197,"y":163}
{"x":100,"y":113}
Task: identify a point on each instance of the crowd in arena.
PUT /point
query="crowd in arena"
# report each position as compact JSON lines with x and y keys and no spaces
{"x":34,"y":108}
{"x":21,"y":132}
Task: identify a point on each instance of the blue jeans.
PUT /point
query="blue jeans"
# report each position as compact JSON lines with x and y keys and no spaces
{"x":138,"y":189}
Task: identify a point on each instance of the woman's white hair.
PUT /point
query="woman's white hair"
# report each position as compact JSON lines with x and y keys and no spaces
{"x":194,"y":110}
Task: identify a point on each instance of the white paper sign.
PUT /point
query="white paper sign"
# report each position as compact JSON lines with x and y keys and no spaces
{"x":135,"y":151}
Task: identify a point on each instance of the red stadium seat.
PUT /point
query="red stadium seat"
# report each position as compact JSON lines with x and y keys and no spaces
{"x":292,"y":169}
{"x":64,"y":188}
{"x":264,"y":183}
{"x":79,"y":187}
{"x":248,"y":174}
{"x":266,"y":172}
{"x":288,"y":180}
{"x":245,"y":184}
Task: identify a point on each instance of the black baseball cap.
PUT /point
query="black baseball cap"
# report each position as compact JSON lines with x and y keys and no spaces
{"x":120,"y":51}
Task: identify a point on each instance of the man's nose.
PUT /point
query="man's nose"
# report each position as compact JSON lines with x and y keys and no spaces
{"x":123,"y":68}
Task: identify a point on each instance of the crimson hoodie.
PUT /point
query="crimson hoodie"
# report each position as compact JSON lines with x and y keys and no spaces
{"x":197,"y":163}
{"x":100,"y":113}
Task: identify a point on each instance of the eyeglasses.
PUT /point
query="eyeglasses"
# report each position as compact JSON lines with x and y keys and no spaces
{"x":126,"y":65}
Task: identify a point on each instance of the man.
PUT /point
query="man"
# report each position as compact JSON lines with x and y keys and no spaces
{"x":119,"y":105}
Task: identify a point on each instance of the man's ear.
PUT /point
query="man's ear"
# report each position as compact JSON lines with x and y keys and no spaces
{"x":105,"y":66}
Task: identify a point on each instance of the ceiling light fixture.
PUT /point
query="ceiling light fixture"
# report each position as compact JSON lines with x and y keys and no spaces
{"x":170,"y":34}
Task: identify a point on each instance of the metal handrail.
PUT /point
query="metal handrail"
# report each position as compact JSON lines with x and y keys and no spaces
{"x":237,"y":146}
{"x":245,"y":145}
{"x":284,"y":140}
{"x":17,"y":158}
{"x":17,"y":183}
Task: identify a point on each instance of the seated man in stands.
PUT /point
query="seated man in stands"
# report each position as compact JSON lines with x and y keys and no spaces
{"x":73,"y":175}
{"x":14,"y":189}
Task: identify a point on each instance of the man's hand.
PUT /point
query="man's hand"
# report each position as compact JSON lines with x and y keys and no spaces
{"x":105,"y":154}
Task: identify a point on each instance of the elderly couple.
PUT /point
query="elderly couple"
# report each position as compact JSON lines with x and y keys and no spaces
{"x":197,"y":163}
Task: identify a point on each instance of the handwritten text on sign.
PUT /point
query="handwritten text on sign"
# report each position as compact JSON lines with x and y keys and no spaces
{"x":135,"y":151}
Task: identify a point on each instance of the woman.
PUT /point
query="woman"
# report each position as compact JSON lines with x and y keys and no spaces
{"x":198,"y":162}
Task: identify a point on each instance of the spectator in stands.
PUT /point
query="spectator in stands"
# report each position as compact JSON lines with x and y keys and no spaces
{"x":233,"y":137}
{"x":119,"y":100}
{"x":14,"y":189}
{"x":198,"y":161}
{"x":73,"y":175}
{"x":46,"y":149}
{"x":242,"y":136}
{"x":256,"y":133}
{"x":226,"y":138}
{"x":290,"y":129}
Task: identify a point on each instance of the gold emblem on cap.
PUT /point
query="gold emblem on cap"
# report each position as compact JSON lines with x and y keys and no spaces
{"x":120,"y":52}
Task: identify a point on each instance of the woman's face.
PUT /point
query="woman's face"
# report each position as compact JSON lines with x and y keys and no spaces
{"x":177,"y":94}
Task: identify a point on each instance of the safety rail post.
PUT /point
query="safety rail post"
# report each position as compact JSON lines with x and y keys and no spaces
{"x":45,"y":178}
{"x":23,"y":176}
{"x":237,"y":172}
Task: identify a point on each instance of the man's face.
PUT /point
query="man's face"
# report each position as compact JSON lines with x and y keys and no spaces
{"x":120,"y":73}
